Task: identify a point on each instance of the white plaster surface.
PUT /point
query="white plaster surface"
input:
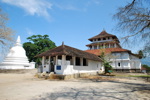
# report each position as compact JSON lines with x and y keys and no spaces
{"x":93,"y":66}
{"x":126,"y":60}
{"x":16,"y":58}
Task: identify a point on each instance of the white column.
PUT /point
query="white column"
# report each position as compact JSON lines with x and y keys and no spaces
{"x":109,"y":45}
{"x":97,"y":46}
{"x":63,"y":59}
{"x":115,"y":45}
{"x":56,"y":60}
{"x":103,"y":45}
{"x":43,"y":60}
{"x":74,"y":61}
{"x":92,"y":47}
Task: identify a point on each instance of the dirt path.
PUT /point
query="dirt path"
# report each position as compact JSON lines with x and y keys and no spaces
{"x":26,"y":87}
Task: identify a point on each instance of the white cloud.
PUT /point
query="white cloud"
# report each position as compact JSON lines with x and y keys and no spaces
{"x":76,"y":5}
{"x":66,"y":6}
{"x":32,"y":7}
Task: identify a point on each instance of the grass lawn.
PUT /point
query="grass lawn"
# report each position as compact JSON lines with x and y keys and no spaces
{"x":146,"y":76}
{"x":129,"y":75}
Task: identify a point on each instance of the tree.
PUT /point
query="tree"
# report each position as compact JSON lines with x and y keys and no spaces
{"x":146,"y":49}
{"x":6,"y":33}
{"x":106,"y":62}
{"x":37,"y":44}
{"x":140,"y":54}
{"x":134,"y":18}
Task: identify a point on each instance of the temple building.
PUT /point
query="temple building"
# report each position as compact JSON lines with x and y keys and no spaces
{"x":122,"y":59}
{"x":16,"y":58}
{"x":65,"y":60}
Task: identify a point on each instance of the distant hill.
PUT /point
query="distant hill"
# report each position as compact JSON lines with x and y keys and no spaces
{"x":146,"y":61}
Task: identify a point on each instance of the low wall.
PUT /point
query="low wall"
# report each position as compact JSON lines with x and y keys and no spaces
{"x":127,"y":70}
{"x":64,"y":77}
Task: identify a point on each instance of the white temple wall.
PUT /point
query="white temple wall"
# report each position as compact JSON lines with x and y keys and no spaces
{"x":135,"y":62}
{"x":126,"y":61}
{"x":125,"y":65}
{"x":121,"y":60}
{"x":92,"y":66}
{"x":46,"y":68}
{"x":66,"y":68}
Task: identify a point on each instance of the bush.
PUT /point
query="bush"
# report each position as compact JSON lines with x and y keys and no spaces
{"x":108,"y":68}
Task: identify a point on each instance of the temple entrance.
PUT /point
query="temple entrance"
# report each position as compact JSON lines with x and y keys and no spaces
{"x":52,"y":64}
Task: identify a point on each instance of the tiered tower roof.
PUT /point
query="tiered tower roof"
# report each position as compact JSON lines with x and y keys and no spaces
{"x":105,"y":42}
{"x":104,"y":34}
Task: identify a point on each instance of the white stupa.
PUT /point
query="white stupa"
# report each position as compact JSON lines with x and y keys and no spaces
{"x":16,"y":58}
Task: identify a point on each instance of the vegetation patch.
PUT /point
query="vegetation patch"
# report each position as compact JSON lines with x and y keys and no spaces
{"x":144,"y":76}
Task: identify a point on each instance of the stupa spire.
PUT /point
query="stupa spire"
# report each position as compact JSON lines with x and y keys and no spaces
{"x":18,"y":42}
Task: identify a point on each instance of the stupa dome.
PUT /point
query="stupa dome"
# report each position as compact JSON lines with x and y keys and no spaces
{"x":16,"y":58}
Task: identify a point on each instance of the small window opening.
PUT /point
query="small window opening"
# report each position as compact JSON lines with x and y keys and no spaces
{"x":77,"y":61}
{"x":119,"y":64}
{"x":104,"y":38}
{"x":68,"y":57}
{"x":99,"y":39}
{"x":59,"y":57}
{"x":47,"y":57}
{"x":85,"y":63}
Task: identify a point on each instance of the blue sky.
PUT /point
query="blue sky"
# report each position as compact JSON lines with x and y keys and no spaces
{"x":71,"y":21}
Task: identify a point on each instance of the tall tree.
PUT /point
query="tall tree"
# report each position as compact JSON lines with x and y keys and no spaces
{"x":134,"y":18}
{"x":37,"y":44}
{"x":6,"y":33}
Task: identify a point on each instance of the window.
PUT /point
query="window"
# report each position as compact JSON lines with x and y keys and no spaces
{"x":58,"y":68}
{"x":77,"y":61}
{"x":104,"y":38}
{"x":108,"y":38}
{"x":119,"y":64}
{"x":68,"y":57}
{"x":85,"y":63}
{"x":99,"y":39}
{"x":59,"y":57}
{"x":47,"y":57}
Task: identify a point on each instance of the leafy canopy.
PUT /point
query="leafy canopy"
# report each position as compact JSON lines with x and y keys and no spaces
{"x":37,"y":44}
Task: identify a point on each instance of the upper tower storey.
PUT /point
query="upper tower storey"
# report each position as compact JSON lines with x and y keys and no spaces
{"x":104,"y":40}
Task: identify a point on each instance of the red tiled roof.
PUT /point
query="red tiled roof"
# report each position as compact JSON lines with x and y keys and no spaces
{"x":143,"y":68}
{"x":70,"y":51}
{"x":106,"y":50}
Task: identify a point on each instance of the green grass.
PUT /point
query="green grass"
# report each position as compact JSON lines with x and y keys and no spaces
{"x":139,"y":76}
{"x":119,"y":75}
